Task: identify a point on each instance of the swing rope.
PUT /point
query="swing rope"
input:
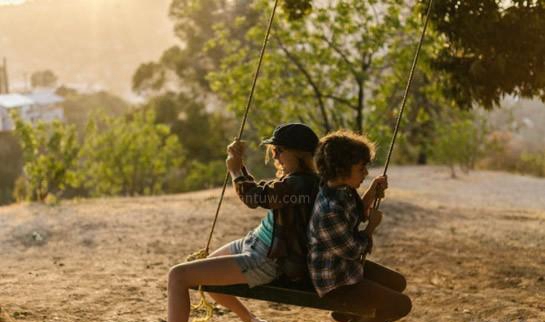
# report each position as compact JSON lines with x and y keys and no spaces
{"x":245,"y":117}
{"x":203,"y":253}
{"x":404,"y":100}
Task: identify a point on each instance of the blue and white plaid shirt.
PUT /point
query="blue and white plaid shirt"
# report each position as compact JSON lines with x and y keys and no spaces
{"x":335,"y":246}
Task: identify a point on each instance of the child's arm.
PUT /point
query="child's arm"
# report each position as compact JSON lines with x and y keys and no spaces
{"x":376,"y":189}
{"x":271,"y":194}
{"x":375,"y":218}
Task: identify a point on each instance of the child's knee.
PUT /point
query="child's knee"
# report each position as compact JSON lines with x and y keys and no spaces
{"x":404,"y":305}
{"x":401,"y":283}
{"x":176,"y":275}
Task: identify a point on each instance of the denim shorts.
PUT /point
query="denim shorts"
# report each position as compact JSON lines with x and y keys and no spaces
{"x":251,"y":256}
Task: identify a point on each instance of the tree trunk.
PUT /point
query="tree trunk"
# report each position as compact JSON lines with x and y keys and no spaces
{"x":359,"y":112}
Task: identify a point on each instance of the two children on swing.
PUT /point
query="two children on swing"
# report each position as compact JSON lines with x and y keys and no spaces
{"x":295,"y":225}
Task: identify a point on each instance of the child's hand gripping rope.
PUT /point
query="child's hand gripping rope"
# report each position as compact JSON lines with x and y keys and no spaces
{"x":374,"y":216}
{"x":235,"y":153}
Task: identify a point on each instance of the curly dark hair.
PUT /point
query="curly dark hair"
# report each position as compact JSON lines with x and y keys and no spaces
{"x":337,"y":152}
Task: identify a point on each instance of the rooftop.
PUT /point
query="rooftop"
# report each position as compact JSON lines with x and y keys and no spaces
{"x":14,"y":100}
{"x":41,"y":97}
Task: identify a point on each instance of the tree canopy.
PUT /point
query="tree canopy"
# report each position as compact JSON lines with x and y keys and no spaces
{"x":343,"y":64}
{"x":183,"y":67}
{"x":321,"y":70}
{"x":493,"y":47}
{"x":43,"y":78}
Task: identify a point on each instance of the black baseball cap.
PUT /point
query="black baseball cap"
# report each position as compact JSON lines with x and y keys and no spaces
{"x":296,"y":136}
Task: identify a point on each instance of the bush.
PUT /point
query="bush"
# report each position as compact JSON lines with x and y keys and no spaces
{"x":459,"y":142}
{"x":504,"y":152}
{"x":532,"y":163}
{"x":50,"y":157}
{"x":78,"y":108}
{"x":128,"y":156}
{"x":11,"y":159}
{"x":204,"y":175}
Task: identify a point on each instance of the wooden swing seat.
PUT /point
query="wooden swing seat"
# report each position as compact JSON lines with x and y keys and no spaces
{"x":290,"y":293}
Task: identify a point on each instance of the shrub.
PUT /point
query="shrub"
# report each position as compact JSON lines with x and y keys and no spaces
{"x":459,"y":142}
{"x":50,"y":157}
{"x":11,"y":159}
{"x":128,"y":156}
{"x":532,"y":163}
{"x":202,"y":175}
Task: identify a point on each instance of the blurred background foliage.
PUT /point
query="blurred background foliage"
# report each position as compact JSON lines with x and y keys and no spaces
{"x":334,"y":64}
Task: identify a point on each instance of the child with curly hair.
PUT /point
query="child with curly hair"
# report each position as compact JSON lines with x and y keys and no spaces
{"x":337,"y":247}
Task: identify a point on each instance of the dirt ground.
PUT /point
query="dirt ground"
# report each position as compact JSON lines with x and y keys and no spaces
{"x":471,"y":249}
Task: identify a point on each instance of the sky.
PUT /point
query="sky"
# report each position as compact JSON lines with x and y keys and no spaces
{"x":89,"y":43}
{"x":92,"y":43}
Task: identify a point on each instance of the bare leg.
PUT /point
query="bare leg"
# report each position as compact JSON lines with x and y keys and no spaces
{"x":221,"y":270}
{"x":229,"y":301}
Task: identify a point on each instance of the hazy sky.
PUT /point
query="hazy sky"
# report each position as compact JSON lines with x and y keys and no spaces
{"x":88,"y":42}
{"x":11,"y":2}
{"x":99,"y":42}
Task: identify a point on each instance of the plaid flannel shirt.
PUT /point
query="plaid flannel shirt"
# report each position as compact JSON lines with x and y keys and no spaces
{"x":335,"y":246}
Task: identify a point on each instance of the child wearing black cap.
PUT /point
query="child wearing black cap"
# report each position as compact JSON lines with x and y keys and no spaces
{"x":278,"y":246}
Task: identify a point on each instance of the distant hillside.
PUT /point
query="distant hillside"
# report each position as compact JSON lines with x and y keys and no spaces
{"x":524,"y":118}
{"x":98,"y":42}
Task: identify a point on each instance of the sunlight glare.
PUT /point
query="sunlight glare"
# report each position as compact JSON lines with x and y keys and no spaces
{"x":11,"y":2}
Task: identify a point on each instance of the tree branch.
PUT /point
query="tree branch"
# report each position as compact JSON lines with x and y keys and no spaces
{"x":342,"y":101}
{"x":345,"y":58}
{"x":317,"y":92}
{"x":375,"y":13}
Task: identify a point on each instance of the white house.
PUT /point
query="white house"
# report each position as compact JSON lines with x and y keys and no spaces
{"x":9,"y":102}
{"x":46,"y":106}
{"x":35,"y":106}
